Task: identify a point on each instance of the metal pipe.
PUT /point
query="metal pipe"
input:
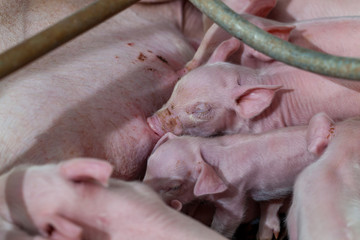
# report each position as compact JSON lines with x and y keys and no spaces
{"x":325,"y":64}
{"x":60,"y":33}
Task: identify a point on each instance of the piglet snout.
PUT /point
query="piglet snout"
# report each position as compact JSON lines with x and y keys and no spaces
{"x":155,"y":124}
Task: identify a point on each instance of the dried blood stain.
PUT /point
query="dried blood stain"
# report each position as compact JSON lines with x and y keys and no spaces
{"x":142,"y":57}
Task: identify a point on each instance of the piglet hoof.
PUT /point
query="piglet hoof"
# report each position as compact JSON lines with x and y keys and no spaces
{"x":276,"y":234}
{"x":268,"y":230}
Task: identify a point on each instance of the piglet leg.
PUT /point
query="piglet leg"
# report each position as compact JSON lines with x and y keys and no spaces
{"x":226,"y":221}
{"x":269,"y":221}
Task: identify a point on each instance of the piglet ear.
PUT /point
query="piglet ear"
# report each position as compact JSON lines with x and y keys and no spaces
{"x":252,"y":100}
{"x":167,"y":136}
{"x":225,"y":50}
{"x":319,"y":133}
{"x":208,"y":182}
{"x":86,"y":169}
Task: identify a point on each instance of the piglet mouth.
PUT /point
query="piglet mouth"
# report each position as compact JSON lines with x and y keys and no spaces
{"x":155,"y":124}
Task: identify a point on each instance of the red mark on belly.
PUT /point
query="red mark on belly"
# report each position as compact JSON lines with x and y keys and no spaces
{"x":142,"y":57}
{"x":151,"y":69}
{"x":130,"y":44}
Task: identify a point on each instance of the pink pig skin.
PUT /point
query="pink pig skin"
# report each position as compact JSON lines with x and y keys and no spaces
{"x":91,"y":96}
{"x":36,"y":198}
{"x":224,"y":98}
{"x":228,"y":169}
{"x":311,"y":34}
{"x":326,"y":202}
{"x":70,"y":205}
{"x":293,"y":10}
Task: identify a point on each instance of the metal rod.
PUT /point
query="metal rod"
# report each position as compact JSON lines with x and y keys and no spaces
{"x":325,"y":64}
{"x":60,"y":33}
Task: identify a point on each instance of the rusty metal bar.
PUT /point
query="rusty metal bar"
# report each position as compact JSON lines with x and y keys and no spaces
{"x":325,"y":64}
{"x":60,"y":33}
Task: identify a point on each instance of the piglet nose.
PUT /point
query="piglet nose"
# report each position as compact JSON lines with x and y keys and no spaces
{"x":155,"y":124}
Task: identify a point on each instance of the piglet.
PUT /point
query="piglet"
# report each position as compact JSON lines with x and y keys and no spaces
{"x":230,"y":170}
{"x":326,"y":202}
{"x":224,"y":97}
{"x":76,"y":200}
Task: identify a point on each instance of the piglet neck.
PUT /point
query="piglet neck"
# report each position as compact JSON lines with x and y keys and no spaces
{"x":222,"y":152}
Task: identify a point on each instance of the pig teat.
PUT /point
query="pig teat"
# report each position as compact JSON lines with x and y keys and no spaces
{"x":176,"y":204}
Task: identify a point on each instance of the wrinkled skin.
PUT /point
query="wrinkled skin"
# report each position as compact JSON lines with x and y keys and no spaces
{"x":86,"y":181}
{"x":262,"y":94}
{"x":91,"y":96}
{"x":232,"y":171}
{"x":326,"y":202}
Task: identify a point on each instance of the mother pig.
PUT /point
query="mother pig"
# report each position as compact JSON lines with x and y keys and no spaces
{"x":221,"y":97}
{"x":91,"y":97}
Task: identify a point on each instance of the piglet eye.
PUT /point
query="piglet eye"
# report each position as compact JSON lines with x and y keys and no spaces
{"x":201,"y":107}
{"x":201,"y":110}
{"x":172,"y":188}
{"x":176,"y":188}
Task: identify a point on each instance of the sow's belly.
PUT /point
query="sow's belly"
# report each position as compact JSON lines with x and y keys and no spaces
{"x":91,"y":97}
